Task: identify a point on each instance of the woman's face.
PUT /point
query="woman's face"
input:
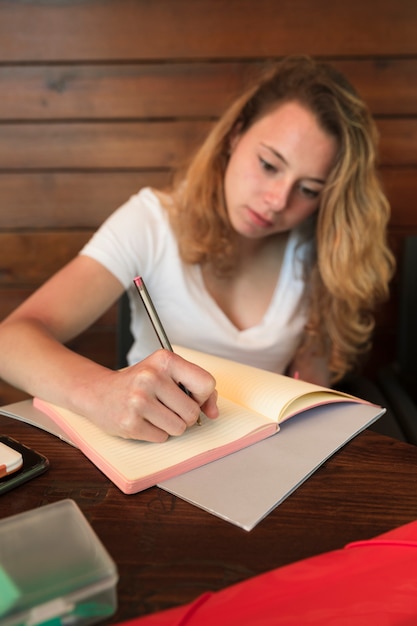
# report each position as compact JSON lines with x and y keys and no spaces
{"x":276,"y":171}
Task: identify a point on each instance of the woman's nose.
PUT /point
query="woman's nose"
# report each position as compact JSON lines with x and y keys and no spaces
{"x":277,"y":195}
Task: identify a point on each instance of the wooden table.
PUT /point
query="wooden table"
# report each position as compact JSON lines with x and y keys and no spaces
{"x":168,"y":552}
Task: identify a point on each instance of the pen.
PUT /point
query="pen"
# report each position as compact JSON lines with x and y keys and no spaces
{"x":157,"y":325}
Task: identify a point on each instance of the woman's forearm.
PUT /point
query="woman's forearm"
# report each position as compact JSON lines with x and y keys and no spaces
{"x":143,"y":401}
{"x":35,"y":362}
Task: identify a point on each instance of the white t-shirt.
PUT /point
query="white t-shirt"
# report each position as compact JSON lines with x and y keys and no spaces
{"x":137,"y":240}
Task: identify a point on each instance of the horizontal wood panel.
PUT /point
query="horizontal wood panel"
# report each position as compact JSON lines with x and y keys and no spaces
{"x":68,"y":199}
{"x":401,"y":188}
{"x":121,"y":91}
{"x":84,"y":199}
{"x":176,"y":89}
{"x":28,"y":259}
{"x":98,"y":145}
{"x":146,"y":145}
{"x":139,"y":29}
{"x":388,"y":86}
{"x":398,"y":144}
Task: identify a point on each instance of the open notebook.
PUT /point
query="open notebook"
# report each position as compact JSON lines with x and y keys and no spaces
{"x":252,"y":404}
{"x":243,"y":487}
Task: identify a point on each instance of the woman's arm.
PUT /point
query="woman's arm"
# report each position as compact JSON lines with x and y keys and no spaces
{"x":142,"y":402}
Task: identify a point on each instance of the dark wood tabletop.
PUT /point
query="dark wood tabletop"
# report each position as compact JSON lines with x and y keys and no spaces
{"x":168,"y":552}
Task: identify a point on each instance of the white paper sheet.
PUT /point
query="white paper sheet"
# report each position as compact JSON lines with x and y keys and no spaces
{"x":244,"y":487}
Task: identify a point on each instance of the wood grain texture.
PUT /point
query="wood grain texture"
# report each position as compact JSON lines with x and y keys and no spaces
{"x":169,"y":552}
{"x":211,"y":29}
{"x":177,"y":90}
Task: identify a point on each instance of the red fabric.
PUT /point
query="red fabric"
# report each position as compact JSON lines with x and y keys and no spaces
{"x":368,"y":582}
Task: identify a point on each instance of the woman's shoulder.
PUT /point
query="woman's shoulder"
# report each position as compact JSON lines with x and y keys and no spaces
{"x":149,"y":197}
{"x":141,"y":208}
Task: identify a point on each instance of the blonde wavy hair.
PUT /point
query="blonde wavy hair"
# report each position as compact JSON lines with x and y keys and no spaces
{"x":352,"y":264}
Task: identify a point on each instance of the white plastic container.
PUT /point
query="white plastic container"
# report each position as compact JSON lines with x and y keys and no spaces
{"x":54,"y":570}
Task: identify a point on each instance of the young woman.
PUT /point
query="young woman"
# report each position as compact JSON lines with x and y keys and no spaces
{"x":269,"y":249}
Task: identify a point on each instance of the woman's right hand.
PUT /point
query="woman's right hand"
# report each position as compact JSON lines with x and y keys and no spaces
{"x":145,"y":401}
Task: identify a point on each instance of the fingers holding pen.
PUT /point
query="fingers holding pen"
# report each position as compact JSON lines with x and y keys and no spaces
{"x":209,"y":407}
{"x":198,"y":382}
{"x":157,"y":406}
{"x":197,"y":388}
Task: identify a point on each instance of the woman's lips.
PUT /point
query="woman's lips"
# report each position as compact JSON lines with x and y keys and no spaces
{"x":258,"y":219}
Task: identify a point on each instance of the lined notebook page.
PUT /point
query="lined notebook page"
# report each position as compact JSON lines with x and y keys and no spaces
{"x":128,"y":462}
{"x":273,"y":395}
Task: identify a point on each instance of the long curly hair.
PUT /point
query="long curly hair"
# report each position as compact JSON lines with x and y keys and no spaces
{"x":352,"y":264}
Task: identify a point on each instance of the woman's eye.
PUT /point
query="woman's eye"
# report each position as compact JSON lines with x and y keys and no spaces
{"x":309,"y":193}
{"x":268,"y":167}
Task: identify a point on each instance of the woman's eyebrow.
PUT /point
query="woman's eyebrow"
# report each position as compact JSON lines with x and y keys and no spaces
{"x":279,"y":156}
{"x":275,"y":153}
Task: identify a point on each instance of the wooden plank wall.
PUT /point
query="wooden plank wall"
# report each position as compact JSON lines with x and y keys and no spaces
{"x":100,"y":97}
